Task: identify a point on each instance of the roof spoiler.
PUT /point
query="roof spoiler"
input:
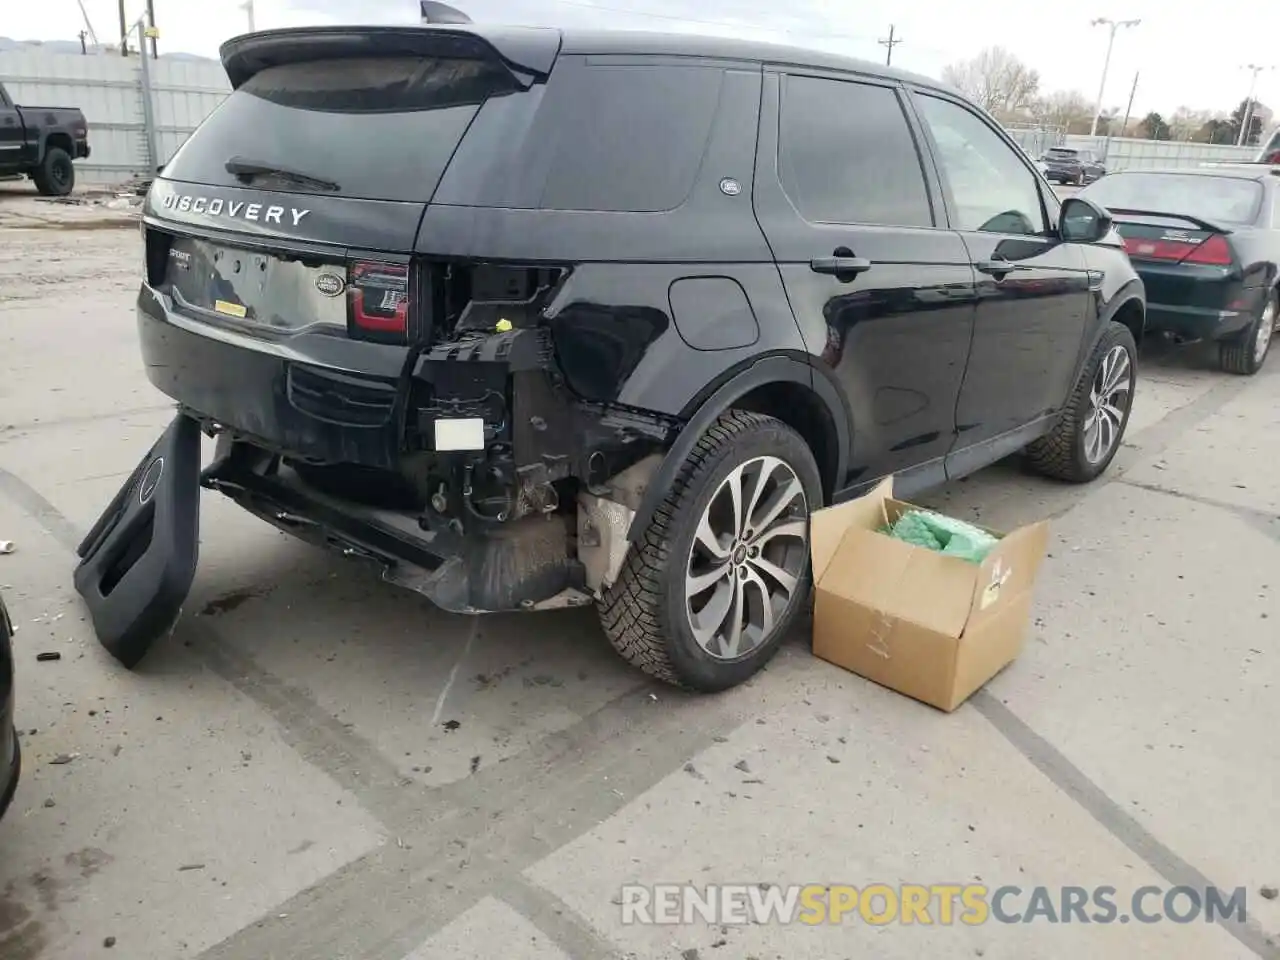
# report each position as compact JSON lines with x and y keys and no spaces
{"x":528,"y":53}
{"x":1194,"y":221}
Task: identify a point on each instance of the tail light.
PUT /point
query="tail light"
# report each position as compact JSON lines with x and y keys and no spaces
{"x":378,"y":299}
{"x":1213,"y":251}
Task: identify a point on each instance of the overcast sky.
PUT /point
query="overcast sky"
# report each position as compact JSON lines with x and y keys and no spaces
{"x":1187,"y":54}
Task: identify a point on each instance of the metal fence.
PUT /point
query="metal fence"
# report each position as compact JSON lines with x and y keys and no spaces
{"x":1128,"y":153}
{"x":110,"y":89}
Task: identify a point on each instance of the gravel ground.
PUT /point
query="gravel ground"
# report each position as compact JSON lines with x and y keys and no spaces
{"x":317,"y":765}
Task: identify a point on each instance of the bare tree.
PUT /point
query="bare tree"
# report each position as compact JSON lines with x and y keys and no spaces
{"x":1186,"y":123}
{"x":1067,"y":110}
{"x":997,"y":80}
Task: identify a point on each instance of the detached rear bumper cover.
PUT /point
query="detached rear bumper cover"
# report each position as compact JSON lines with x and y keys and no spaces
{"x":138,"y":562}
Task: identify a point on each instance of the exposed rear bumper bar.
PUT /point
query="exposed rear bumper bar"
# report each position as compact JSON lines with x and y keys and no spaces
{"x":475,"y":572}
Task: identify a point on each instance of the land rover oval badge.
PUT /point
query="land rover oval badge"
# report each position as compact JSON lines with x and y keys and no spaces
{"x":150,"y":480}
{"x":330,"y":284}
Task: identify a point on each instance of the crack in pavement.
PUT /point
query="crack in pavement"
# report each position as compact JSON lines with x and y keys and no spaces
{"x":82,"y":419}
{"x":556,"y":918}
{"x":1261,"y":520}
{"x":33,"y":503}
{"x":1122,"y":825}
{"x":513,"y":815}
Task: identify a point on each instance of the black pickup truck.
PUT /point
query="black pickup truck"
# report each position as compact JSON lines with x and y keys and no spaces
{"x":42,"y":143}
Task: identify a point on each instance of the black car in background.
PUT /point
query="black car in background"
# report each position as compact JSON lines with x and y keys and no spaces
{"x":1206,"y":242}
{"x":42,"y":143}
{"x":10,"y":752}
{"x":1069,"y":165}
{"x":534,"y":318}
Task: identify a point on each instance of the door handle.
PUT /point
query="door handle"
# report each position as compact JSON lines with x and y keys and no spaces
{"x":840,"y":266}
{"x":995,"y":268}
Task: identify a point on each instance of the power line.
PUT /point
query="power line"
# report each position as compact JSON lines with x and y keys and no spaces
{"x":889,"y":44}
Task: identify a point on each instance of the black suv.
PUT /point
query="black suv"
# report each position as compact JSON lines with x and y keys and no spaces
{"x":535,"y":318}
{"x":1068,"y":165}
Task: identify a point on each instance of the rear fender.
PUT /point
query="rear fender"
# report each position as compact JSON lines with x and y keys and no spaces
{"x":773,"y":369}
{"x":138,"y":562}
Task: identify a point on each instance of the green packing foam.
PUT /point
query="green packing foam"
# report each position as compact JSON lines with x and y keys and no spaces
{"x":945,"y":535}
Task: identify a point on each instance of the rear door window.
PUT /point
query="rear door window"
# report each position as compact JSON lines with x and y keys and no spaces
{"x":846,"y":154}
{"x":377,"y":128}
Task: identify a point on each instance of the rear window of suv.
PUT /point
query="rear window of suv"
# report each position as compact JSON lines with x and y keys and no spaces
{"x":600,"y":135}
{"x":380,"y":128}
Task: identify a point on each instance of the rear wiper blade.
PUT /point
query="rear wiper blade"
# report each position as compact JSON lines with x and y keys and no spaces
{"x":248,"y":169}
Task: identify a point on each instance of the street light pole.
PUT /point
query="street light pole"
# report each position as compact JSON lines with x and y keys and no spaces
{"x":1246,"y":120}
{"x":1114,"y":27}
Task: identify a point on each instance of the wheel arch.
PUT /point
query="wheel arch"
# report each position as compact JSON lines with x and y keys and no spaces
{"x":1133,"y":314}
{"x":783,"y":387}
{"x":1128,"y":307}
{"x":60,"y":139}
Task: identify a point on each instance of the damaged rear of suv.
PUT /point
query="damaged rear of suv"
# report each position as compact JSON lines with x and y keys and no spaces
{"x":492,"y":309}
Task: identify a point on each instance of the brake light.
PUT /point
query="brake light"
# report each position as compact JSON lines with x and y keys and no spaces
{"x":378,"y":297}
{"x":1213,"y":251}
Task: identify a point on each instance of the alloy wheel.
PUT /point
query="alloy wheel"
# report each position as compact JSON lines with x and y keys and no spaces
{"x":1109,"y":400}
{"x":747,"y":559}
{"x":1266,"y":325}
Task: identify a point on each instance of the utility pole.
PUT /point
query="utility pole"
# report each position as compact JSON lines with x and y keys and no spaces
{"x":247,"y":7}
{"x":151,"y":22}
{"x":1113,"y":27}
{"x":889,"y":44}
{"x":1129,"y":109}
{"x":124,"y":31}
{"x":1246,"y":121}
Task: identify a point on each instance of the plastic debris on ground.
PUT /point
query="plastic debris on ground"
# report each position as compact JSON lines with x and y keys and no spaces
{"x":942,"y":534}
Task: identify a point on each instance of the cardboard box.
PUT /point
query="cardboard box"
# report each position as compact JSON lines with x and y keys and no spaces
{"x":931,"y":626}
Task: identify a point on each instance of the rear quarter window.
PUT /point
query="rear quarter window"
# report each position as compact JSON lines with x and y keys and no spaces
{"x":627,"y":137}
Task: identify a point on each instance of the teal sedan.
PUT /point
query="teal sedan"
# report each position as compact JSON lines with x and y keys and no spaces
{"x":1206,"y":242}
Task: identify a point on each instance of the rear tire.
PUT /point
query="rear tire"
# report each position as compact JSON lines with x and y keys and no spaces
{"x":1084,"y":442}
{"x":696,"y":564}
{"x":56,"y":175}
{"x":1246,"y":353}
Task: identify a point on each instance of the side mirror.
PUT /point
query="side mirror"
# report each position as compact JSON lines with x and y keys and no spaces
{"x":1083,"y":221}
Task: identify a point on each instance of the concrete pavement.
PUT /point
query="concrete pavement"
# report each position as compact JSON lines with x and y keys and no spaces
{"x":318,"y":765}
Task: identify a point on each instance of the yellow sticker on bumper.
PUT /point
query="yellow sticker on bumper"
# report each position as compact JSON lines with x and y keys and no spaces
{"x":230,"y":309}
